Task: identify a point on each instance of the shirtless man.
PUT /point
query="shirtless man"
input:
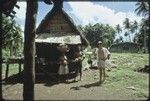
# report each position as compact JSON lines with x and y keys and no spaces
{"x":102,"y":56}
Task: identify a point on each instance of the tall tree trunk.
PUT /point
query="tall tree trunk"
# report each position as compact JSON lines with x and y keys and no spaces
{"x":145,"y":46}
{"x":29,"y":50}
{"x":11,"y":49}
{"x":1,"y":34}
{"x":129,"y":36}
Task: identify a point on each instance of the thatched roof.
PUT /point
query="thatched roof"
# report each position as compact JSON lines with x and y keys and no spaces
{"x":125,"y":47}
{"x":125,"y":43}
{"x":50,"y":15}
{"x":58,"y":38}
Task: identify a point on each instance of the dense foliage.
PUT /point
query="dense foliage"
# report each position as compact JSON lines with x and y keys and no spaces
{"x":138,"y":31}
{"x":12,"y":38}
{"x":97,"y":32}
{"x":142,"y":37}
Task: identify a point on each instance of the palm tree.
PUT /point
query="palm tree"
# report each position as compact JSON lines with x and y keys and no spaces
{"x":118,"y":28}
{"x":135,"y":39}
{"x":134,"y":27}
{"x":127,"y":26}
{"x":142,"y":36}
{"x":126,"y":34}
{"x":29,"y":50}
{"x":117,"y":40}
{"x":142,"y":9}
{"x":144,"y":30}
{"x":120,"y":39}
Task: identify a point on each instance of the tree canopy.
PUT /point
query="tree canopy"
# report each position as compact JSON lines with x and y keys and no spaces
{"x":143,"y":10}
{"x":96,"y":32}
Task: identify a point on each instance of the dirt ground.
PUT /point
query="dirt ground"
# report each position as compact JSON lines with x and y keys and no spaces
{"x":87,"y":89}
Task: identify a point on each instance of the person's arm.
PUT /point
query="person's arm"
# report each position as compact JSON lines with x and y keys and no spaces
{"x":95,"y":53}
{"x":108,"y":56}
{"x":81,"y":56}
{"x":108,"y":53}
{"x":60,"y":60}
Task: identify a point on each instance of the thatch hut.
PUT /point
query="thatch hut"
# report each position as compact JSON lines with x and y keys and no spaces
{"x":56,"y":28}
{"x":125,"y":47}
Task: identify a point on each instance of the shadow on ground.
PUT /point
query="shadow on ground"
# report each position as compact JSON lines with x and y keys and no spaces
{"x":95,"y":84}
{"x":47,"y":80}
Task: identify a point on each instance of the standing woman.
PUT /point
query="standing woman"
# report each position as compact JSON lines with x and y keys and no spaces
{"x":63,"y":68}
{"x":103,"y":56}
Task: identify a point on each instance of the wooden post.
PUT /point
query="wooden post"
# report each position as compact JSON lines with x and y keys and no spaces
{"x":29,"y":50}
{"x":19,"y":67}
{"x":145,"y":46}
{"x":1,"y":34}
{"x":7,"y":71}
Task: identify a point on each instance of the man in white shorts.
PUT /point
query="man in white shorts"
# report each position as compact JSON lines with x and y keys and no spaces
{"x":102,"y":58}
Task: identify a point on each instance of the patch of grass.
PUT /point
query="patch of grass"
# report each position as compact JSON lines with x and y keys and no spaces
{"x":13,"y":69}
{"x":124,"y":75}
{"x":133,"y":61}
{"x":119,"y":80}
{"x":128,"y":77}
{"x":141,"y":93}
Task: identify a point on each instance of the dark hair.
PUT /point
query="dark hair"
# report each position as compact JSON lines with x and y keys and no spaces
{"x":99,"y":44}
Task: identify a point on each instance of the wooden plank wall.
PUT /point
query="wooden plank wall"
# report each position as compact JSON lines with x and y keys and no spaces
{"x":58,"y":23}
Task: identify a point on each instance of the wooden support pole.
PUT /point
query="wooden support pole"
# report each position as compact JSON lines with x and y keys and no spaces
{"x":20,"y":67}
{"x":29,"y":50}
{"x":7,"y":71}
{"x":1,"y":34}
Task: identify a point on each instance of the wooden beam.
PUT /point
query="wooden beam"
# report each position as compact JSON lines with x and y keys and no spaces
{"x":7,"y":71}
{"x":1,"y":34}
{"x":29,"y":50}
{"x":19,"y":67}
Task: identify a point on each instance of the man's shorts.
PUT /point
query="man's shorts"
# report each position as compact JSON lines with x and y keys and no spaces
{"x":103,"y":64}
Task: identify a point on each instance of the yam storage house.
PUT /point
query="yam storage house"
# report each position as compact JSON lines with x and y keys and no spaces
{"x":56,"y":28}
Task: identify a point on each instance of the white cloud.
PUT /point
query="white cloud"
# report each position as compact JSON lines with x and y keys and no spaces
{"x":21,"y":14}
{"x":21,"y":11}
{"x":87,"y":12}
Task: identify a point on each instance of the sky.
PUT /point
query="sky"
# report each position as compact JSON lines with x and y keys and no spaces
{"x":83,"y":13}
